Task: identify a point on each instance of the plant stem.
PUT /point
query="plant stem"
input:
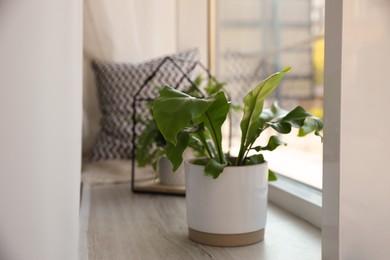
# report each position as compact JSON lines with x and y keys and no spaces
{"x":247,"y":151}
{"x":241,"y":154}
{"x":217,"y":143}
{"x":202,"y":139}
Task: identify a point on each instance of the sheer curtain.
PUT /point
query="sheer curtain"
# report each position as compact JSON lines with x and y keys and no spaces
{"x":122,"y":31}
{"x":40,"y":101}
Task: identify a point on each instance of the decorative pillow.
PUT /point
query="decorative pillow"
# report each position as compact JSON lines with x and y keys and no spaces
{"x":117,"y":83}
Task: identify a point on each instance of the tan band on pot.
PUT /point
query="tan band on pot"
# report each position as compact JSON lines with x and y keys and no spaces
{"x":226,"y":239}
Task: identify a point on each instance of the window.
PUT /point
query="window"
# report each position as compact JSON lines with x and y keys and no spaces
{"x":253,"y":39}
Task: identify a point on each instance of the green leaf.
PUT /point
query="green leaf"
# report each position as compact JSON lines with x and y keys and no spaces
{"x":272,"y":176}
{"x":281,"y":127}
{"x":296,"y":117}
{"x":213,"y":87}
{"x":253,"y":107}
{"x":273,"y":142}
{"x":175,"y":152}
{"x":255,"y":159}
{"x":145,"y":144}
{"x":272,"y":113}
{"x":203,"y":141}
{"x":198,"y":80}
{"x":303,"y":120}
{"x":194,"y":89}
{"x":197,"y":146}
{"x":213,"y":119}
{"x":311,"y":124}
{"x":160,"y":152}
{"x":174,"y":110}
{"x":200,"y":161}
{"x":268,"y":117}
{"x":213,"y":168}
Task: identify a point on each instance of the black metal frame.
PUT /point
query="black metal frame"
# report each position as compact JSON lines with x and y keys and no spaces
{"x":136,"y":100}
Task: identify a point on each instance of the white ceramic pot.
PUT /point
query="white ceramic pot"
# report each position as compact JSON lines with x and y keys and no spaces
{"x":230,"y":210}
{"x":166,"y":176}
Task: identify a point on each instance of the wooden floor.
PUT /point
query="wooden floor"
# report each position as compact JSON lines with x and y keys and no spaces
{"x":117,"y":224}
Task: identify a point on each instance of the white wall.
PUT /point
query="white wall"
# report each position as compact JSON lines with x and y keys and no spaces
{"x":40,"y":140}
{"x":357,"y":127}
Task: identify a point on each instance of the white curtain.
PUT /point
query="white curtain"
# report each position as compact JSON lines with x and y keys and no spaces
{"x":122,"y":31}
{"x":40,"y":101}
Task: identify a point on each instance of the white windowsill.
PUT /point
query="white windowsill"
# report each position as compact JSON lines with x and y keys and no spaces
{"x":298,"y":199}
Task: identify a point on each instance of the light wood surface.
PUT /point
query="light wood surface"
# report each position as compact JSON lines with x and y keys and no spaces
{"x":120,"y":225}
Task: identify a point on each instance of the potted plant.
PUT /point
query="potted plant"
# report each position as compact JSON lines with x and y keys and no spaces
{"x":226,"y":196}
{"x":150,"y":151}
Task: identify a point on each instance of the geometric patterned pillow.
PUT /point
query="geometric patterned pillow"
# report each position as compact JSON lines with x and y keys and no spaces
{"x":116,"y":85}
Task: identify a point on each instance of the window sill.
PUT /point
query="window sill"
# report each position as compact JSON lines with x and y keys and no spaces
{"x":297,"y":198}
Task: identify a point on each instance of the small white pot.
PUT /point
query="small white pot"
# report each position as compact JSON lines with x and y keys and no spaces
{"x":230,"y":210}
{"x":167,"y":176}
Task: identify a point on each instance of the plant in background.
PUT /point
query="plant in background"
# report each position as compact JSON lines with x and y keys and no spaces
{"x":188,"y":120}
{"x":150,"y":145}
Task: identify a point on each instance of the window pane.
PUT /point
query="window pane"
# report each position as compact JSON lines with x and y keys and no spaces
{"x":255,"y":38}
